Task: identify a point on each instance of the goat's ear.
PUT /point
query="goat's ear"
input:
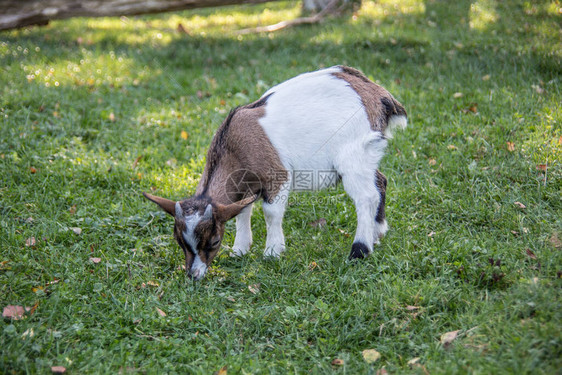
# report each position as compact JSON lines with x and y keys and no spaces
{"x":227,"y":212}
{"x":166,"y":204}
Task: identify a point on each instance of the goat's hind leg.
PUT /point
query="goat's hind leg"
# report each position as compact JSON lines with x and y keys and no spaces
{"x":366,"y":197}
{"x":381,"y":227}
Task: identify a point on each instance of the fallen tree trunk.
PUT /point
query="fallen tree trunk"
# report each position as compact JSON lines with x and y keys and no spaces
{"x":19,"y":13}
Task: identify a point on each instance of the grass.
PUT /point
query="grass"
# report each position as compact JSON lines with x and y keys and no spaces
{"x":95,"y":111}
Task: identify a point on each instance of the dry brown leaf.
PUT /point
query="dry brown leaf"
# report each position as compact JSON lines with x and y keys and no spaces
{"x":542,"y":167}
{"x":95,"y":260}
{"x":486,"y":77}
{"x":337,"y":362}
{"x":112,"y":117}
{"x":473,"y":107}
{"x":411,"y":308}
{"x":431,"y":234}
{"x":181,"y":29}
{"x":449,"y":337}
{"x":510,"y":146}
{"x":451,"y":147}
{"x":136,"y":162}
{"x":555,"y":241}
{"x":222,"y":371}
{"x":152,"y":283}
{"x":58,"y":369}
{"x":432,"y":161}
{"x":72,"y":209}
{"x":254,"y":288}
{"x":344,"y":232}
{"x":30,"y":242}
{"x":312,"y":266}
{"x":160,"y":312}
{"x":520,"y":205}
{"x":414,"y":361}
{"x":458,"y":95}
{"x":32,"y":170}
{"x":319,"y":223}
{"x":530,"y":253}
{"x":14,"y":312}
{"x":371,"y":355}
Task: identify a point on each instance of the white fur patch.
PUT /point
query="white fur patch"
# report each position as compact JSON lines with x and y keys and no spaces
{"x":189,"y":233}
{"x":198,"y":269}
{"x":395,"y":122}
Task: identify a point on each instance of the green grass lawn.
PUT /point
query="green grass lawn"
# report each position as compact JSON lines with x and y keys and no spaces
{"x":95,"y":111}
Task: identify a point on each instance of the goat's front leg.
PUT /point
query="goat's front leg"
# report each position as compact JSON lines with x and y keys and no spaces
{"x":273,"y":212}
{"x":243,"y":240}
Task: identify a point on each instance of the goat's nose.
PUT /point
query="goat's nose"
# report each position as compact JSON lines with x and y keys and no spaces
{"x":195,"y":274}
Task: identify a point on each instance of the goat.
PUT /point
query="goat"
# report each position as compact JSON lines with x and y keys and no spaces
{"x":331,"y":120}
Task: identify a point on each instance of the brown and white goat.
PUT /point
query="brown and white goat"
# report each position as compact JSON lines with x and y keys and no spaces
{"x":332,"y":122}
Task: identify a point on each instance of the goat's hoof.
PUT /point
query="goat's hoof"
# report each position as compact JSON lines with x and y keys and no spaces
{"x":237,"y":253}
{"x":273,"y":251}
{"x":358,"y":251}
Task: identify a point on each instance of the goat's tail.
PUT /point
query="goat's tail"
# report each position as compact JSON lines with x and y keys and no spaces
{"x":396,"y":116}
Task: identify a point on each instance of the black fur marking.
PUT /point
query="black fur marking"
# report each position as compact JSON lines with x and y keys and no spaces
{"x":380,"y":182}
{"x":358,"y":251}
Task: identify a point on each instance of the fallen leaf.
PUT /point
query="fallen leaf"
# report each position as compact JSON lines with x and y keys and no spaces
{"x":72,"y":209}
{"x":95,"y":260}
{"x":431,"y":234}
{"x":319,"y":223}
{"x":432,"y":161}
{"x":473,"y":108}
{"x":337,"y":362}
{"x":344,"y":232}
{"x":32,"y":170}
{"x":371,"y":355}
{"x":112,"y":117}
{"x":13,"y":312}
{"x":76,"y":230}
{"x":486,"y":77}
{"x":414,"y":361}
{"x":30,"y":242}
{"x":152,"y":283}
{"x":542,"y":167}
{"x":451,"y":147}
{"x":254,"y":288}
{"x":160,"y":312}
{"x":530,"y":253}
{"x":458,"y":95}
{"x":510,"y":146}
{"x":136,"y":162}
{"x":382,"y":371}
{"x":222,"y":371}
{"x":411,"y":308}
{"x":555,"y":240}
{"x":181,"y":29}
{"x":538,"y":89}
{"x":449,"y":337}
{"x":58,"y":369}
{"x":520,"y":205}
{"x":184,"y":134}
{"x":28,"y":333}
{"x":312,"y":266}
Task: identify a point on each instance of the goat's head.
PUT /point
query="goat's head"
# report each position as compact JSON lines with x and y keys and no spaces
{"x":199,"y":228}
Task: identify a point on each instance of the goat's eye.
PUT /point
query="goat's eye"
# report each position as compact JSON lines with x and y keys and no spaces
{"x":216,"y":242}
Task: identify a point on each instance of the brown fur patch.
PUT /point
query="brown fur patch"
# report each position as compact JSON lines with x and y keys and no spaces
{"x":379,"y":104}
{"x":242,"y":161}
